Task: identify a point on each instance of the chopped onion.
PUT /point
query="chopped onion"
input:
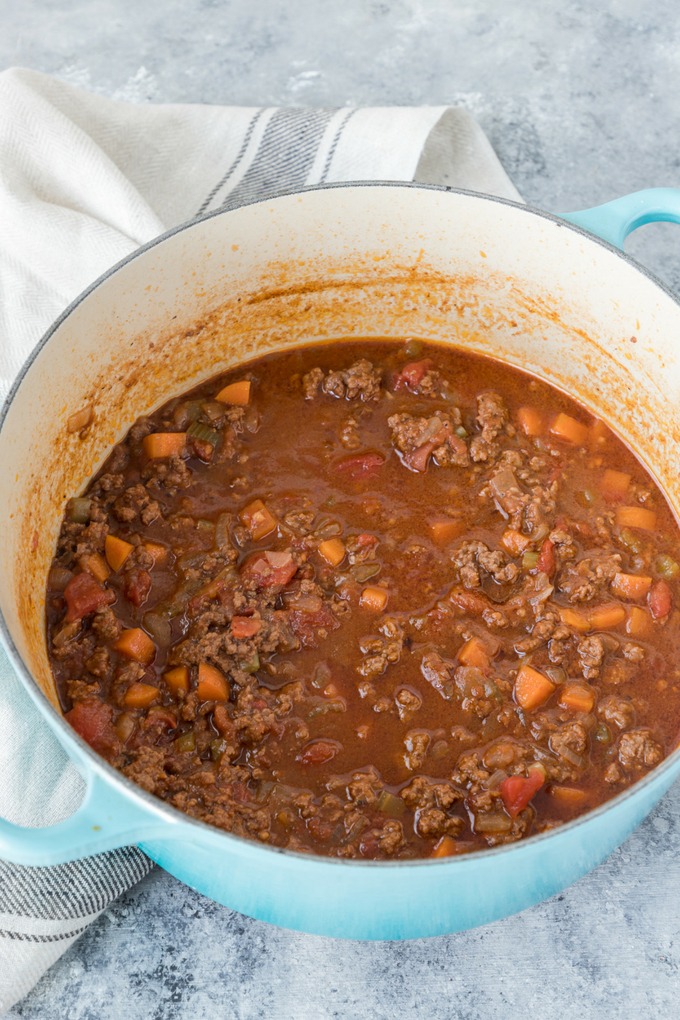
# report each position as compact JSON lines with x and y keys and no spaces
{"x":501,"y":484}
{"x":572,"y":757}
{"x":492,"y":821}
{"x":158,"y":627}
{"x":78,"y":509}
{"x":58,"y":578}
{"x":496,"y":779}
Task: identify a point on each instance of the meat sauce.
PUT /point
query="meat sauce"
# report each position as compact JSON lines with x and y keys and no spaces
{"x":371,"y":599}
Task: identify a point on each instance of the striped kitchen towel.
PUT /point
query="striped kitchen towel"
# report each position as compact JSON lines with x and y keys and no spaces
{"x":83,"y":182}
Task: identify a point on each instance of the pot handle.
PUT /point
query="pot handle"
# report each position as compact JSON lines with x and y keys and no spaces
{"x":105,"y":820}
{"x":615,"y":220}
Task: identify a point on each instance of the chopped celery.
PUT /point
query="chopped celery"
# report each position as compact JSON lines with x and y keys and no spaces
{"x":204,"y":433}
{"x":667,"y":567}
{"x":603,"y":734}
{"x":332,"y":705}
{"x":363,"y":571}
{"x":631,"y":540}
{"x":250,"y":665}
{"x":388,"y":804}
{"x":186,"y":743}
{"x":217,"y":748}
{"x":529,"y":560}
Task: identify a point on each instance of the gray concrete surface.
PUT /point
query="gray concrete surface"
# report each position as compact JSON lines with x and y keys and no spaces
{"x":582,"y":104}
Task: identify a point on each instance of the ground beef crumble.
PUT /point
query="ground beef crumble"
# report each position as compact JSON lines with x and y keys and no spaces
{"x":338,"y":637}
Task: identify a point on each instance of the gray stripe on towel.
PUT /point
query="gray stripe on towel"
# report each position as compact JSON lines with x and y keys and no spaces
{"x":285,"y":155}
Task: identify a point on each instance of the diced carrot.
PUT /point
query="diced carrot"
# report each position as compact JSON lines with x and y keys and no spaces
{"x":237,"y":393}
{"x":446,"y":847}
{"x":566,"y":427}
{"x":212,"y":685}
{"x":95,"y":564}
{"x":257,"y":519}
{"x":532,"y":689}
{"x":164,"y":444}
{"x":141,"y":695}
{"x":631,"y":586}
{"x":445,"y":530}
{"x":636,"y":517}
{"x":473,"y":653}
{"x":333,"y":551}
{"x":639,"y":622}
{"x":606,"y":617}
{"x":177,"y":680}
{"x":568,"y":796}
{"x":615,"y":485}
{"x":530,"y":421}
{"x":117,"y":551}
{"x":373,"y":598}
{"x":514,"y":542}
{"x":577,"y":698}
{"x":269,"y":569}
{"x":158,"y":552}
{"x":573,"y":618}
{"x":135,"y":644}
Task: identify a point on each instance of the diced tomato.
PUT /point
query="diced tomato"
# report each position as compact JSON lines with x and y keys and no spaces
{"x":137,"y":586}
{"x":318,"y":752}
{"x":269,"y":569}
{"x":244,"y":626}
{"x":417,"y":459}
{"x":517,"y":791}
{"x":201,"y":448}
{"x":469,"y":602}
{"x":239,"y":792}
{"x":660,"y":600}
{"x":311,"y":627}
{"x":222,"y":720}
{"x":92,"y":719}
{"x":85,"y":595}
{"x":412,"y":374}
{"x":160,"y":718}
{"x":360,"y":466}
{"x":546,"y":559}
{"x":320,"y":829}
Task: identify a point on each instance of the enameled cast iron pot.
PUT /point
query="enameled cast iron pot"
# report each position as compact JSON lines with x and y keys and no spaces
{"x":351,"y":260}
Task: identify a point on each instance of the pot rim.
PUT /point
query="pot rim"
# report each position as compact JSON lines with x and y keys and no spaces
{"x":159,"y":807}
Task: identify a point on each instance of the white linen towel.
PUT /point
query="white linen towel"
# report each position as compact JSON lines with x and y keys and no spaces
{"x":83,"y":182}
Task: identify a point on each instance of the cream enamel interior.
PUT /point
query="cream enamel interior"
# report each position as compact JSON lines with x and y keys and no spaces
{"x":341,"y":262}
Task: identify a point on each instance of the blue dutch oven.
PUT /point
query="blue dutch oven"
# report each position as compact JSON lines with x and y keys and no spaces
{"x":551,"y":294}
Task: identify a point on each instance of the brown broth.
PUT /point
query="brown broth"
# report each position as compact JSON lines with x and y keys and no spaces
{"x":288,"y":451}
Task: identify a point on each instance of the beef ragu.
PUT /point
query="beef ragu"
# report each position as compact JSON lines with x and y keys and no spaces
{"x":371,"y":599}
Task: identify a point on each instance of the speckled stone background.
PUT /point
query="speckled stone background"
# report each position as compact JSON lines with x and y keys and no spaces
{"x":581,"y":104}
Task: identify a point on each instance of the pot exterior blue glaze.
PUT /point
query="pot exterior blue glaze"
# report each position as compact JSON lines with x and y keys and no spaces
{"x":351,"y":899}
{"x":406,"y":901}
